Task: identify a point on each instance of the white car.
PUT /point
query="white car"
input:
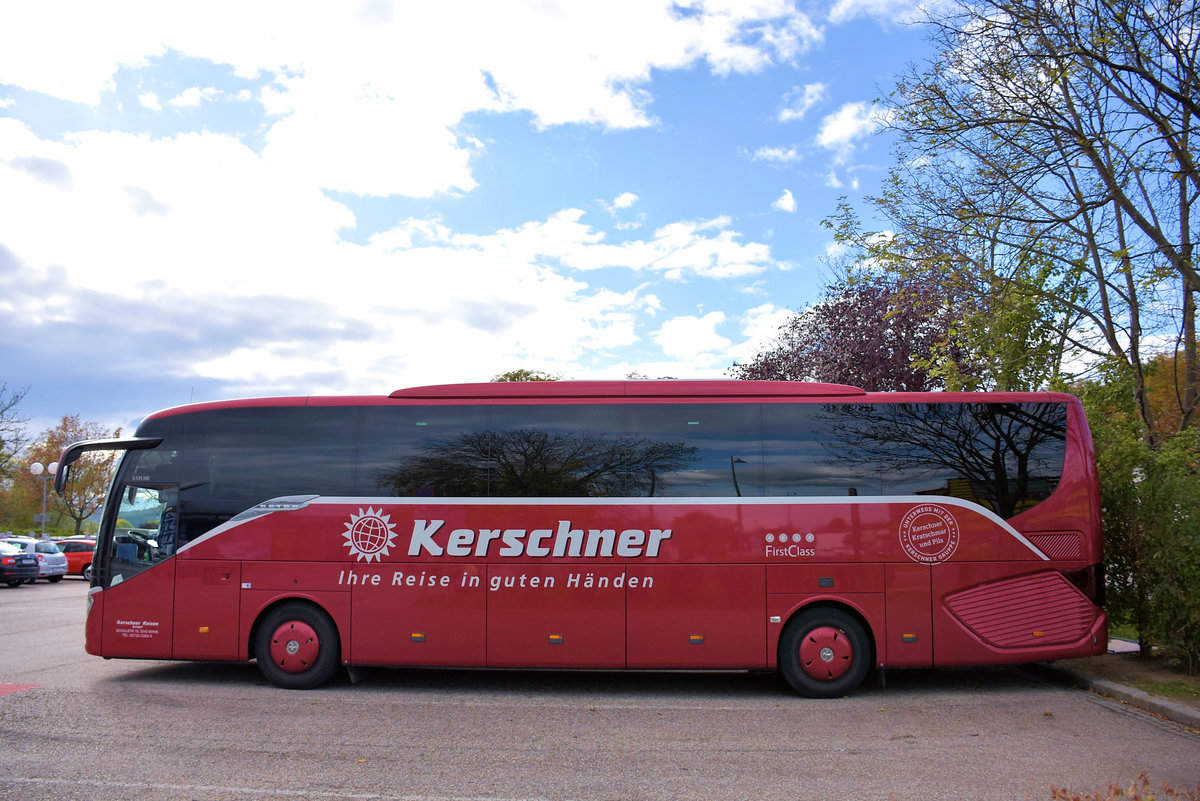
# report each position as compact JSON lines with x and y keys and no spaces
{"x":52,"y":563}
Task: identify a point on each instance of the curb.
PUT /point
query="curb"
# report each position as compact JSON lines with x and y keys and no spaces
{"x":1178,"y":713}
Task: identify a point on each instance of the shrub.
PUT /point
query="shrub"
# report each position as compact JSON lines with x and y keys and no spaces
{"x":1151,"y":506}
{"x":1138,"y":790}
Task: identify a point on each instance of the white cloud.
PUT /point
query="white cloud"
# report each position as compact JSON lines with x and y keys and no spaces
{"x":842,"y":130}
{"x":194,"y":96}
{"x":353,"y":82}
{"x":694,"y":338}
{"x":776,"y":155}
{"x":900,"y":12}
{"x":785,"y":202}
{"x":239,"y":235}
{"x":705,"y":248}
{"x":760,"y":325}
{"x":801,"y":99}
{"x":624,"y":200}
{"x":214,"y":237}
{"x":835,"y":250}
{"x":275,"y":300}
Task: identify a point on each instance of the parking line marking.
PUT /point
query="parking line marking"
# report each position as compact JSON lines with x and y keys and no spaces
{"x":9,"y":689}
{"x":264,"y":792}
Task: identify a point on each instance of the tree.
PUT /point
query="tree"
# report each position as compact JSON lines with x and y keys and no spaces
{"x":523,"y":374}
{"x":999,"y":333}
{"x":1165,"y":381}
{"x":1151,"y":504}
{"x":1045,"y":153}
{"x":531,"y":463}
{"x":12,"y":429}
{"x":872,"y":331}
{"x":90,"y":475}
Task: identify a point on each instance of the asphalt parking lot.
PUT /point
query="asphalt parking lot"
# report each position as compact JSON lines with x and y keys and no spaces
{"x":79,"y":727}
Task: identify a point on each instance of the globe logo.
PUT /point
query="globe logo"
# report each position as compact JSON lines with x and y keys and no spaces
{"x":369,"y":534}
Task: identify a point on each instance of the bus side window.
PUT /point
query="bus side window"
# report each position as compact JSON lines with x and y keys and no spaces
{"x":699,"y":450}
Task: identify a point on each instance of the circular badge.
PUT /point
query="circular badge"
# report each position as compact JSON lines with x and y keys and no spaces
{"x":929,"y":534}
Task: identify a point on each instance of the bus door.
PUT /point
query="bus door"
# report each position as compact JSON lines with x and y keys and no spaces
{"x":207,"y":606}
{"x":139,"y":591}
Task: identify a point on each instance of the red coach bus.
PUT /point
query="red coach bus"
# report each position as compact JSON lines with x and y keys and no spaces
{"x":814,"y":529}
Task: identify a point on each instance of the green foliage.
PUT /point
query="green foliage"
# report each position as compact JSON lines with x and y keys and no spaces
{"x":1151,"y":506}
{"x":1045,"y":176}
{"x":524,"y":374}
{"x":1172,"y":548}
{"x":1001,"y":312}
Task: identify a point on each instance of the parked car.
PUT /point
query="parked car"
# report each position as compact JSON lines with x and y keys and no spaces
{"x":52,"y":564}
{"x":78,"y":551}
{"x":16,"y":566}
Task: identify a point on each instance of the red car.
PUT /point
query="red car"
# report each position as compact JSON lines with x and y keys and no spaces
{"x":79,"y":555}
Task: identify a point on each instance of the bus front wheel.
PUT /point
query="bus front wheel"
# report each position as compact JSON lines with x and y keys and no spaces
{"x":824,"y":653}
{"x":297,"y":646}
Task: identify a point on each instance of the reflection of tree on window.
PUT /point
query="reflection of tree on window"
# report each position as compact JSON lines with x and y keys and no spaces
{"x":532,"y":463}
{"x":1005,"y":455}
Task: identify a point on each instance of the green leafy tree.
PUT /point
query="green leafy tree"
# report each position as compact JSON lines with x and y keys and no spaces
{"x":1150,"y":497}
{"x":1045,"y":164}
{"x":997,"y":332}
{"x":12,"y":429}
{"x":14,"y":506}
{"x":524,"y":374}
{"x":90,"y":475}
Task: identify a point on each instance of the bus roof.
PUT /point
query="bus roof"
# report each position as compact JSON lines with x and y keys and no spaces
{"x":626,"y":389}
{"x":582,"y":391}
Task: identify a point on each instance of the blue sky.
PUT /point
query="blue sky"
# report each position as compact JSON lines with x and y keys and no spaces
{"x":230,"y":199}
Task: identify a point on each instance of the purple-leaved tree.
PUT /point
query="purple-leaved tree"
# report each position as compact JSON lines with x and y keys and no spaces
{"x":870,"y":332}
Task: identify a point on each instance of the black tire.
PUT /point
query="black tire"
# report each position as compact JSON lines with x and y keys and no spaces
{"x":86,"y":572}
{"x":824,"y":653}
{"x":14,"y":583}
{"x":54,"y":579}
{"x":297,"y":646}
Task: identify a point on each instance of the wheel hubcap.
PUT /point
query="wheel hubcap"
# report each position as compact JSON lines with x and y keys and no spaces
{"x":294,"y":646}
{"x":826,"y":653}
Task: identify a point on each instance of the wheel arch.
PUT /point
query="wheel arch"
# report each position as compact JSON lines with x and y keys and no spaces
{"x":860,"y":615}
{"x":261,"y":612}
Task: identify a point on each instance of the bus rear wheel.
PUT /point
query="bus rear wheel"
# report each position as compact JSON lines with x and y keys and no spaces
{"x":297,"y":646}
{"x":824,"y":653}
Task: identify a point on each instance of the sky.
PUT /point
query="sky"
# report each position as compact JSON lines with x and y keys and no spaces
{"x":217,"y":200}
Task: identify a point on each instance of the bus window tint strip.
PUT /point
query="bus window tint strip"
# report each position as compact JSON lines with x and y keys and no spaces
{"x":1004,"y":456}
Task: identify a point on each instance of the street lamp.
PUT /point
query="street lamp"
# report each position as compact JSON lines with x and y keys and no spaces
{"x":733,"y":469}
{"x":45,"y":473}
